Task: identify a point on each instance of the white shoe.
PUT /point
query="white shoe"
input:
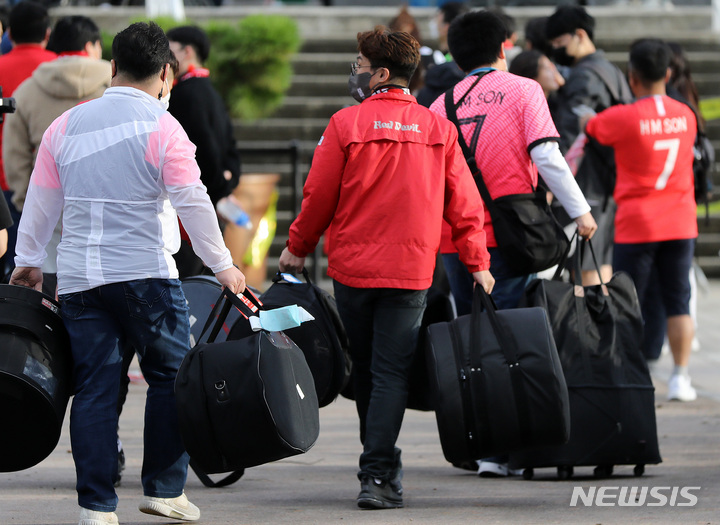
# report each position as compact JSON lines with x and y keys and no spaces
{"x":680,"y":389}
{"x":492,"y":469}
{"x":178,"y":508}
{"x":94,"y":517}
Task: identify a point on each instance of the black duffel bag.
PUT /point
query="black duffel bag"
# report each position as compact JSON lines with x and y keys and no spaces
{"x":323,"y":341}
{"x":245,"y":402}
{"x":497,"y":382}
{"x":599,"y":333}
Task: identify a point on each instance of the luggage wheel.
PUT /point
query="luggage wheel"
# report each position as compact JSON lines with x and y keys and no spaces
{"x":603,"y":471}
{"x":639,"y":470}
{"x":565,"y":472}
{"x":528,"y":473}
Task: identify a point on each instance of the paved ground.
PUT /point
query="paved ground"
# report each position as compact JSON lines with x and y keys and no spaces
{"x":320,"y":486}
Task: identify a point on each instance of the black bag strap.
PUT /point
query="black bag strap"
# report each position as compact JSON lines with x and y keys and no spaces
{"x":611,"y":78}
{"x":224,"y":482}
{"x":247,"y":303}
{"x":563,"y":261}
{"x":483,"y":302}
{"x":451,"y":112}
{"x":279,"y":277}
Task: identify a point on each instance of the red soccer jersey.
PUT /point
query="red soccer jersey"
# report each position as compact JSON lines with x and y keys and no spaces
{"x":653,"y":140}
{"x":506,"y":116}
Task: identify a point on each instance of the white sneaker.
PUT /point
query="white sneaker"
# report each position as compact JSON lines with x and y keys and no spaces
{"x":94,"y":517}
{"x":680,"y":389}
{"x":178,"y":508}
{"x":492,"y":469}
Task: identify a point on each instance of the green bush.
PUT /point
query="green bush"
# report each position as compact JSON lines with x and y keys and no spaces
{"x":249,"y":61}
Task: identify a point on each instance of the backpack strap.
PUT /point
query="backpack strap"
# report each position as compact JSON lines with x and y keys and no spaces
{"x":451,"y":112}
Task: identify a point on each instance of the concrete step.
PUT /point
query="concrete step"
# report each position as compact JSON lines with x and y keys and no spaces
{"x":312,"y":107}
{"x":708,"y":244}
{"x":310,"y":129}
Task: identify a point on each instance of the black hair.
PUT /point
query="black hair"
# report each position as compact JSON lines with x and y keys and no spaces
{"x":29,"y":22}
{"x":4,"y":16}
{"x":141,"y":50}
{"x":192,"y":36}
{"x":526,"y":64}
{"x":535,"y":35}
{"x":509,"y":21}
{"x":452,"y":10}
{"x":71,"y":33}
{"x":398,"y":51}
{"x":650,"y":59}
{"x":476,"y":38}
{"x":567,"y":19}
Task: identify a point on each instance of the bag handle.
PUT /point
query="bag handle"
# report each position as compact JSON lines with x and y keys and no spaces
{"x":483,"y":301}
{"x":278,"y":277}
{"x":247,"y":303}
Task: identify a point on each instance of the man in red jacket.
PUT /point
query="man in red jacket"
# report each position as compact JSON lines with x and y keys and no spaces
{"x":29,"y":30}
{"x":384,"y":174}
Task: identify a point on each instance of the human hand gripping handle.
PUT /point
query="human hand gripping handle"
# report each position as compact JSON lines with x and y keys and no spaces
{"x":232,"y":279}
{"x":586,"y":225}
{"x":29,"y":277}
{"x":484,"y":279}
{"x":290,"y":263}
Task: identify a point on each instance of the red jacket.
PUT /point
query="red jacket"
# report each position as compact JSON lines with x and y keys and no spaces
{"x":384,"y":175}
{"x":15,"y":67}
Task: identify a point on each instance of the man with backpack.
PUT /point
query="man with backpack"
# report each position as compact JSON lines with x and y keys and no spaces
{"x":593,"y":85}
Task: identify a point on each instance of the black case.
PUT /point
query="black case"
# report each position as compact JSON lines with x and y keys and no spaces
{"x":245,"y":402}
{"x":599,"y":334}
{"x":497,"y":382}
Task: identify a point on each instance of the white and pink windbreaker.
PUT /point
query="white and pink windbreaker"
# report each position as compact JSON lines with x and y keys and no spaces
{"x":118,"y":168}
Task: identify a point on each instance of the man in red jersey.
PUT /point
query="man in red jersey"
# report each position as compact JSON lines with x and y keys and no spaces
{"x":29,"y":30}
{"x":383,"y":176}
{"x":656,"y":222}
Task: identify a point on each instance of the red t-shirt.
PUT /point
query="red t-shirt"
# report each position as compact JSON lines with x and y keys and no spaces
{"x":653,"y":140}
{"x":15,"y":67}
{"x":509,"y":116}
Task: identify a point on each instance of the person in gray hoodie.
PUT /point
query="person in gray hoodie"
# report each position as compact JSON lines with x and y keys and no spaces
{"x":77,"y":75}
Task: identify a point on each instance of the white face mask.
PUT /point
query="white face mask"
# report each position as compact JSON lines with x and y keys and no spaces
{"x":165,"y":100}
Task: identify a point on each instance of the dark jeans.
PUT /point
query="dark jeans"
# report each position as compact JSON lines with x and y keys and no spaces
{"x":382,"y":325}
{"x":661,"y":274}
{"x":152,"y":315}
{"x":509,"y":286}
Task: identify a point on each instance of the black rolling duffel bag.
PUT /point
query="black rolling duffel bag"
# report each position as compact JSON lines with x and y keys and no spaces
{"x":245,"y":402}
{"x":599,"y":334}
{"x":323,"y":341}
{"x":497,"y":382}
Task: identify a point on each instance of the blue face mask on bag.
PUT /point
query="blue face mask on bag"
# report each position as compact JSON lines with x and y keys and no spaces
{"x":280,"y":319}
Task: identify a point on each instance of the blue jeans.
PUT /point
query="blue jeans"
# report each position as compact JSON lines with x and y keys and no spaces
{"x":382,"y":325}
{"x":509,"y":286}
{"x":152,"y":315}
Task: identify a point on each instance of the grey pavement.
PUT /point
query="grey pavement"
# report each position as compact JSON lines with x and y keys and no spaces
{"x":320,"y":486}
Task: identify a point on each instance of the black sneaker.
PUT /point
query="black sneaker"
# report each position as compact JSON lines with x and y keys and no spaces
{"x":378,"y":494}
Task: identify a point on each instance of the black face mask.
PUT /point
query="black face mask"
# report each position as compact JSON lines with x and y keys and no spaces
{"x":359,"y":86}
{"x":562,"y":58}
